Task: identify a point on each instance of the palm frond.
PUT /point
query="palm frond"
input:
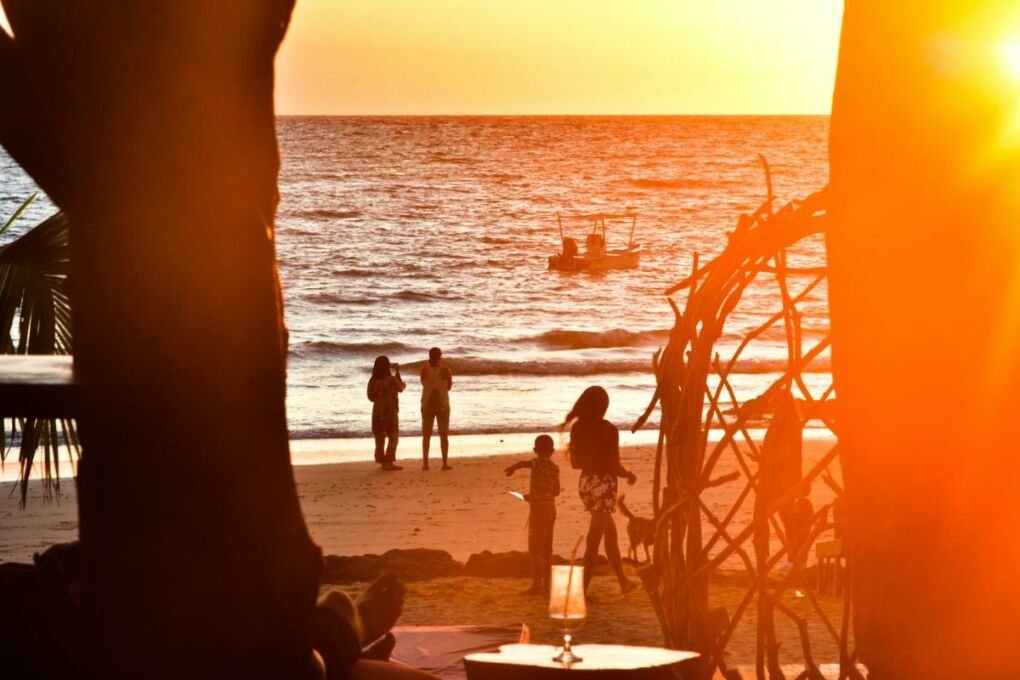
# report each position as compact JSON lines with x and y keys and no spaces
{"x":35,"y":318}
{"x":33,"y":275}
{"x":17,"y":213}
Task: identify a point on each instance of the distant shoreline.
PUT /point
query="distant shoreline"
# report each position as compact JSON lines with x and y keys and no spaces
{"x":343,"y":450}
{"x":551,"y":115}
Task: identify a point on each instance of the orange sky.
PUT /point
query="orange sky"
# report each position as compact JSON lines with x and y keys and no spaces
{"x":559,"y":56}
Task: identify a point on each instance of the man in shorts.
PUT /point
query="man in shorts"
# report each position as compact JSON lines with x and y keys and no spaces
{"x":436,"y":383}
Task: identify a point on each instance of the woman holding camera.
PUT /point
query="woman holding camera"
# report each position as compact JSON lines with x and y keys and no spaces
{"x":384,"y":392}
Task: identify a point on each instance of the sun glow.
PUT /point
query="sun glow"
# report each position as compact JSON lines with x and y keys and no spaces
{"x":567,"y":56}
{"x":1009,"y":58}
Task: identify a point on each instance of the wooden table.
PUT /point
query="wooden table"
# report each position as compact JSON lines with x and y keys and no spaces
{"x":38,"y":385}
{"x":514,"y":662}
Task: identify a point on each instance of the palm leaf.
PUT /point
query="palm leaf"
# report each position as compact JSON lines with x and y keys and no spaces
{"x":35,"y":318}
{"x":17,"y":213}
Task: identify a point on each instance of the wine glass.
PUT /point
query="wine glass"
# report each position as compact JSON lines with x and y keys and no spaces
{"x":566,"y":606}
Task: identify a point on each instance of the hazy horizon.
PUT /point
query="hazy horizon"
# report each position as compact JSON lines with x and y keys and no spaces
{"x":553,"y":115}
{"x":528,"y":57}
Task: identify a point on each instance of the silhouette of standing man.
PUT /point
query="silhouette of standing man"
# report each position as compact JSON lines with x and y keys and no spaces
{"x":436,"y":383}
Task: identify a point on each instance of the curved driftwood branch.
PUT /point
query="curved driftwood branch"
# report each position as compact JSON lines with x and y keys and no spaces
{"x":679,"y":575}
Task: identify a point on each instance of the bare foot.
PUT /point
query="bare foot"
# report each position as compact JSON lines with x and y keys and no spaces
{"x":380,"y":605}
{"x":628,"y":586}
{"x":447,"y":467}
{"x":382,"y":649}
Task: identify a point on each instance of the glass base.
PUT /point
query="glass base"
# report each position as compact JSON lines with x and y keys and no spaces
{"x":566,"y":655}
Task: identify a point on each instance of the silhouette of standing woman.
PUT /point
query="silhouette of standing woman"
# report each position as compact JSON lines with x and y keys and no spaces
{"x":384,"y":393}
{"x":595,"y":451}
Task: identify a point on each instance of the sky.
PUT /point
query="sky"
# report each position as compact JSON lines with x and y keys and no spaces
{"x":403,"y":57}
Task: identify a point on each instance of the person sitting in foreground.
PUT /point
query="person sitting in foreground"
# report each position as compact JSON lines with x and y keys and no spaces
{"x":545,"y":487}
{"x":352,"y":636}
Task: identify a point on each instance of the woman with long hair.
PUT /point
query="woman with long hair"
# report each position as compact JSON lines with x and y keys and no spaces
{"x":384,"y":393}
{"x":595,"y":451}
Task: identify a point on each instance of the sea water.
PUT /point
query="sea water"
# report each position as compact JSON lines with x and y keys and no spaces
{"x":396,"y":234}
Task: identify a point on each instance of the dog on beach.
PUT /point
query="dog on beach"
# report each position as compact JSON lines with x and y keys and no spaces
{"x":640,"y":531}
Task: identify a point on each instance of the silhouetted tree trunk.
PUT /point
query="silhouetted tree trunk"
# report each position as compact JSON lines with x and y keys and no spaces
{"x":924,"y":252}
{"x":151,"y":123}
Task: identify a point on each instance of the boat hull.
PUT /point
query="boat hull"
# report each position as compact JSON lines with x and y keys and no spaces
{"x":620,"y":259}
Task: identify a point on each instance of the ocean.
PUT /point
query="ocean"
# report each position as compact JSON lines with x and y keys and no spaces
{"x":396,"y":234}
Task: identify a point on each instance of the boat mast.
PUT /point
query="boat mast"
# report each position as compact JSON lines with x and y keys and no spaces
{"x":633,"y":223}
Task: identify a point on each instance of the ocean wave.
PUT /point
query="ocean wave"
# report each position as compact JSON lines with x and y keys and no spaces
{"x":484,"y":366}
{"x":337,"y":299}
{"x":760,"y":366}
{"x":296,"y":231}
{"x":452,"y":159}
{"x":417,"y":296}
{"x":330,"y":214}
{"x":411,"y":430}
{"x":470,"y":365}
{"x":333,"y":347}
{"x":659,"y":183}
{"x":435,"y":263}
{"x":353,"y":273}
{"x":617,"y":337}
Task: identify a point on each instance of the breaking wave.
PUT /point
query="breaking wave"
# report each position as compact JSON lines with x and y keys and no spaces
{"x":481,"y":366}
{"x":417,"y":296}
{"x":353,"y":273}
{"x":583,"y":367}
{"x":617,"y":337}
{"x":336,"y":299}
{"x":331,"y":347}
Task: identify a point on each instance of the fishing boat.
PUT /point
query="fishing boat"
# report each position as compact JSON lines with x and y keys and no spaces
{"x":597,"y":256}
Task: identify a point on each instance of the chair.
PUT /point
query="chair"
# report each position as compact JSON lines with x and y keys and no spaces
{"x":830,"y":566}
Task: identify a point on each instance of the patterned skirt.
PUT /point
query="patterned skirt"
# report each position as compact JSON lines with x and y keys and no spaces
{"x":385,"y":421}
{"x":598,"y":492}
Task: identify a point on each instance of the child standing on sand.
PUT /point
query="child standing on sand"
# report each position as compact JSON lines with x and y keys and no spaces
{"x":545,"y":487}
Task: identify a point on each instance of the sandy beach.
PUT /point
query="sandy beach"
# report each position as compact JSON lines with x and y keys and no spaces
{"x":354,"y":509}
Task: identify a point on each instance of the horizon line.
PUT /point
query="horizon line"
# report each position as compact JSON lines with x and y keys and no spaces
{"x":553,"y":115}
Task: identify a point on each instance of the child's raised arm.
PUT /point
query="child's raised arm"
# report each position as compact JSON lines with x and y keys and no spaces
{"x":517,"y":466}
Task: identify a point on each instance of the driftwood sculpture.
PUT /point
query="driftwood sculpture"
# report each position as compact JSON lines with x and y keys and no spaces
{"x":696,"y":396}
